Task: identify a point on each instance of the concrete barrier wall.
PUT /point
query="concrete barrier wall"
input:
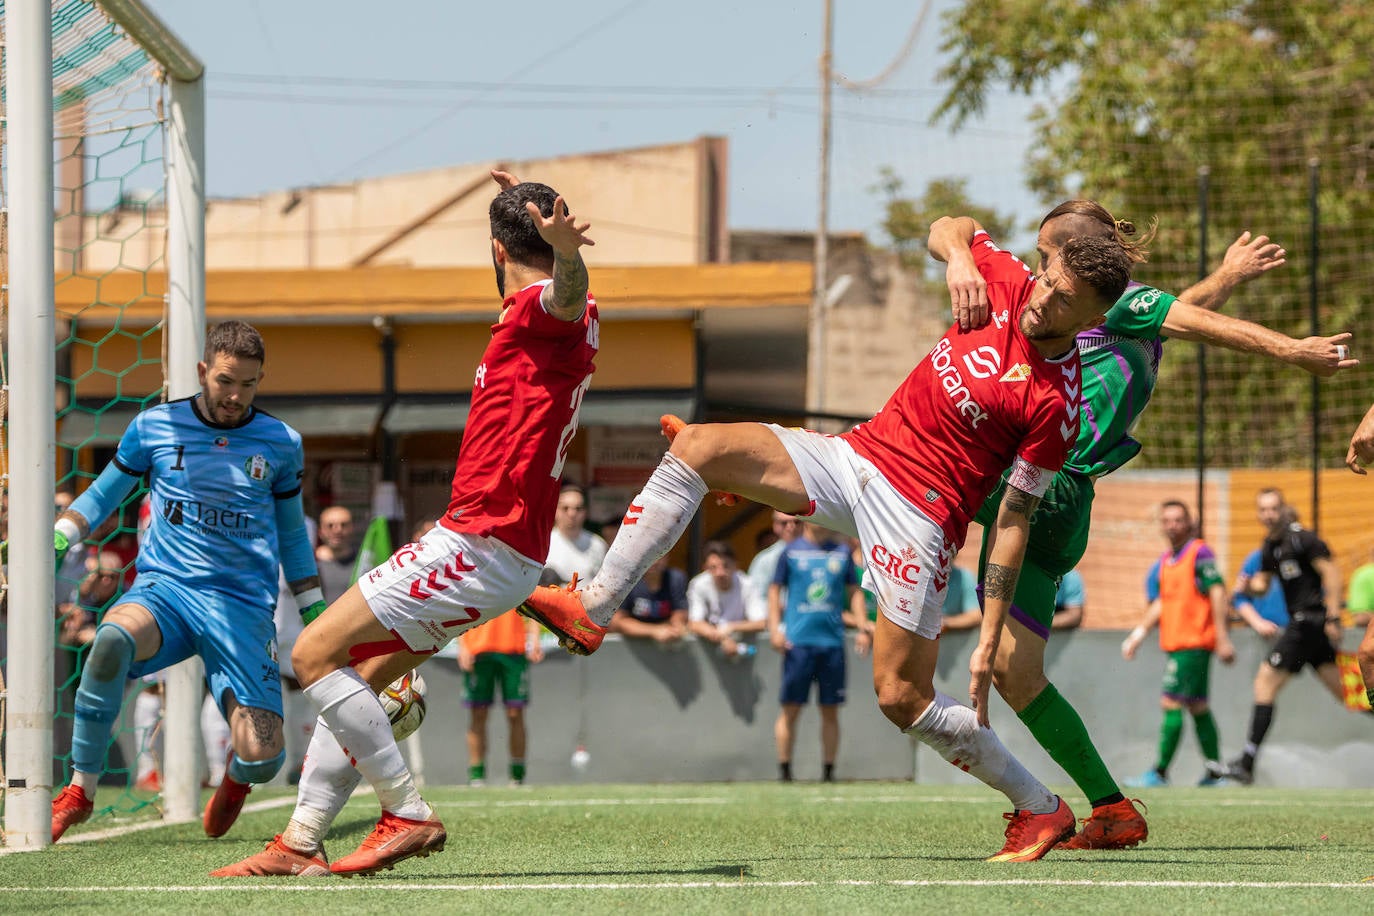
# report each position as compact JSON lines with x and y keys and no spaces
{"x":648,"y":714}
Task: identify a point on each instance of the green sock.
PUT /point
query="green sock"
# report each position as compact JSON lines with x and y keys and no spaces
{"x":517,"y":770}
{"x":1206,"y":727}
{"x":1056,"y":725}
{"x":477,"y":771}
{"x":1170,"y":731}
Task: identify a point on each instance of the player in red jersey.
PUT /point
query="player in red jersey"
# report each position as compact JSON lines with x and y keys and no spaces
{"x":906,"y":484}
{"x":483,"y":557}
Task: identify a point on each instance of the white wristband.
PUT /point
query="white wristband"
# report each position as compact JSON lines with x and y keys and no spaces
{"x":68,"y":528}
{"x":1139,"y":633}
{"x":308,"y":597}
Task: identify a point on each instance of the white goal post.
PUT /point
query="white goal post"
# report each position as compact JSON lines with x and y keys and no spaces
{"x":29,"y":99}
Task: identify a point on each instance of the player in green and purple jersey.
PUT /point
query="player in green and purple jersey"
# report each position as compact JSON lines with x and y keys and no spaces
{"x":1120,"y":363}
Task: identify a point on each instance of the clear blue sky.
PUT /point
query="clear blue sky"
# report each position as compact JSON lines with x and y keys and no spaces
{"x":307,"y":93}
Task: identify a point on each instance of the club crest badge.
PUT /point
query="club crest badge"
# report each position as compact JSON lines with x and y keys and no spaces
{"x":257,"y":467}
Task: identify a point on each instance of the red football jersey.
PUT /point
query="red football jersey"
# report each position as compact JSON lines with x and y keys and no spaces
{"x":525,"y":400}
{"x":975,"y":403}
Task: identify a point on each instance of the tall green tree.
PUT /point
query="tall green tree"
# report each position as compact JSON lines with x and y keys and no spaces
{"x":1147,"y":97}
{"x":907,"y":219}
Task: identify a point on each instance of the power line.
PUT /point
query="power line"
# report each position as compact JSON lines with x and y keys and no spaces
{"x":289,"y":89}
{"x":564,"y":45}
{"x":902,"y":55}
{"x":432,"y":86}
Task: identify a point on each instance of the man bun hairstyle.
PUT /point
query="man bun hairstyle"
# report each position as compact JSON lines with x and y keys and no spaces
{"x":234,"y":338}
{"x":1121,"y":231}
{"x":512,"y":226}
{"x":1100,"y":263}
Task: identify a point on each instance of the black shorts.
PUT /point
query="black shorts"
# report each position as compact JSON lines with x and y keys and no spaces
{"x":1302,"y":643}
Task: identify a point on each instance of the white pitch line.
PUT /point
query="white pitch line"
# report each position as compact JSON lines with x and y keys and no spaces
{"x":1171,"y":801}
{"x":93,"y":835}
{"x":344,"y":886}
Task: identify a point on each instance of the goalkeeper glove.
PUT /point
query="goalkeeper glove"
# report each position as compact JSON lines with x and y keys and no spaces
{"x":312,"y":611}
{"x":60,"y":546}
{"x":310,"y":603}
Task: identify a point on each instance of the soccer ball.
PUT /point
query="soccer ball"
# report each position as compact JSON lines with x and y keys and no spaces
{"x":403,"y":700}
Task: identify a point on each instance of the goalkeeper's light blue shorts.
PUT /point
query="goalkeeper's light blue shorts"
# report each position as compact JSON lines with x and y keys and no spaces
{"x":236,"y":641}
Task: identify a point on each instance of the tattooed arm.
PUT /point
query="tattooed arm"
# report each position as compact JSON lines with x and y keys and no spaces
{"x":566,"y":297}
{"x":1006,"y":548}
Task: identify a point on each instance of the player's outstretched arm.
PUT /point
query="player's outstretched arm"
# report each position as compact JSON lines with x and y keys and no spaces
{"x":566,"y":296}
{"x":1006,"y":550}
{"x":1361,"y":450}
{"x":1321,"y":356}
{"x":950,"y":241}
{"x":1246,"y":259}
{"x":111,"y":488}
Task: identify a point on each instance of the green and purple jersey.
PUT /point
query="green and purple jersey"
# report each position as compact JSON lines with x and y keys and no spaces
{"x":1120,"y":363}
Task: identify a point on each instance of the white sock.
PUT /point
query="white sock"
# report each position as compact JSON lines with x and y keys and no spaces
{"x":656,"y":520}
{"x":327,"y":780}
{"x":147,"y":714}
{"x":952,"y":730}
{"x":350,"y":709}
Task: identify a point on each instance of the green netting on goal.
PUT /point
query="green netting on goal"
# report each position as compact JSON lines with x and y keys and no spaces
{"x":109,"y":228}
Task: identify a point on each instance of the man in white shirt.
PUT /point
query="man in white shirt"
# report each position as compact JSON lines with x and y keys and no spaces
{"x":722,"y":607}
{"x":572,"y":548}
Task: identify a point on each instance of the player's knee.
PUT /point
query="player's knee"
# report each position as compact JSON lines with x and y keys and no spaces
{"x":899,"y":700}
{"x":256,"y":771}
{"x":1017,"y":685}
{"x":307,"y":665}
{"x":694,"y":445}
{"x":112,"y":651}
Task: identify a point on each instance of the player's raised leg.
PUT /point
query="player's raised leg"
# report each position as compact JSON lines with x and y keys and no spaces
{"x":903,"y":669}
{"x":743,"y":458}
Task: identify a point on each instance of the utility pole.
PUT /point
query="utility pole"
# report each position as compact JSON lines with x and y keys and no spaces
{"x":816,"y":338}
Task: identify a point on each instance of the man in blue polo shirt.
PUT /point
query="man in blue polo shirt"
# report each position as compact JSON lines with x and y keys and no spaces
{"x":817,"y":578}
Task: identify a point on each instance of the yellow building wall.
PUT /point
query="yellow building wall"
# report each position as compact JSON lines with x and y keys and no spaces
{"x":647,"y":206}
{"x":347,"y":359}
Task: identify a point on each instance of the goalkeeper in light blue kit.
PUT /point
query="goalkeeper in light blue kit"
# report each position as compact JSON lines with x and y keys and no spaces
{"x":225,"y":483}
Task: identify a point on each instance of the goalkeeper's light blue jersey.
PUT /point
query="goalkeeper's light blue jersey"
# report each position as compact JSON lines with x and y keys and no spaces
{"x":213,"y":489}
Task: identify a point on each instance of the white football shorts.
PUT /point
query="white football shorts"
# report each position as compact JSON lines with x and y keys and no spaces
{"x":428,"y":592}
{"x":906,"y":555}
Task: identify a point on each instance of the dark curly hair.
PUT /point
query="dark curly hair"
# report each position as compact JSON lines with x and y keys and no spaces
{"x":512,"y":227}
